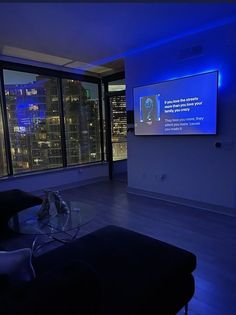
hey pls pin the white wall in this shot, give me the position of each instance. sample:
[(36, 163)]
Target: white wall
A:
[(187, 167), (69, 177)]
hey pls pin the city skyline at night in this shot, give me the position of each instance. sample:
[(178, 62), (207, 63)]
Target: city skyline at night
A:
[(34, 124), (37, 137)]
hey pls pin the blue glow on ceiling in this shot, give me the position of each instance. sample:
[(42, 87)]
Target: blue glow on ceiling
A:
[(158, 43)]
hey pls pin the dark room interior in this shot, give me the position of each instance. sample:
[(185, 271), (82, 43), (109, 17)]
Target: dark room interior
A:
[(117, 158)]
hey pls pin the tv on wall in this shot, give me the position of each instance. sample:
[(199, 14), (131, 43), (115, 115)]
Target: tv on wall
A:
[(184, 106)]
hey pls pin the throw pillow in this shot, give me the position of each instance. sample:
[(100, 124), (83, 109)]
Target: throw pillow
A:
[(16, 266)]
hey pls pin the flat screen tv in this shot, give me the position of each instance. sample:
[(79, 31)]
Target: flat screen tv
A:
[(184, 106)]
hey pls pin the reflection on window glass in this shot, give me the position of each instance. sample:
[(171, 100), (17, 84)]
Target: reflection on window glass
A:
[(34, 121), (119, 151), (118, 85), (119, 127), (82, 122), (3, 164)]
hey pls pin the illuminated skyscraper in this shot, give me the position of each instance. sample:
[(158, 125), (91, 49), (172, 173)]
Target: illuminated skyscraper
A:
[(119, 127), (34, 124), (30, 110), (82, 122)]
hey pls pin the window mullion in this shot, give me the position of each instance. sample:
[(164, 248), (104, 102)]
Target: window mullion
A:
[(62, 123), (5, 126)]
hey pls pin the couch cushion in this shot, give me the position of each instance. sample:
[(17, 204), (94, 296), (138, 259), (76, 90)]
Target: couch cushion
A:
[(134, 270), (119, 246)]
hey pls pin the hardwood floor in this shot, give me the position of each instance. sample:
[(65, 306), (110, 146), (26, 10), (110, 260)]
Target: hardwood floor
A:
[(211, 236)]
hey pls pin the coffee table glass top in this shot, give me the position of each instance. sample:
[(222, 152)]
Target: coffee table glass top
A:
[(27, 221)]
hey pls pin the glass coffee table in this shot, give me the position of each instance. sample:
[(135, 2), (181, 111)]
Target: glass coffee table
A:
[(55, 226)]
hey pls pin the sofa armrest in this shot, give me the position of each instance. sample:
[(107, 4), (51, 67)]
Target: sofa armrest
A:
[(13, 201)]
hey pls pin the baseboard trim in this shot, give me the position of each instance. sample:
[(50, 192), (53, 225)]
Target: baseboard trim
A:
[(182, 201), (74, 184)]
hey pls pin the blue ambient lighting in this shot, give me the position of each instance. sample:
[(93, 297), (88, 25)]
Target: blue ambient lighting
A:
[(189, 74), (165, 41)]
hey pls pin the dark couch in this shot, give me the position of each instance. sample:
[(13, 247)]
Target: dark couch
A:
[(108, 272)]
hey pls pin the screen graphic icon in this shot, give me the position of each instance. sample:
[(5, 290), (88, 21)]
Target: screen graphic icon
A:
[(150, 108)]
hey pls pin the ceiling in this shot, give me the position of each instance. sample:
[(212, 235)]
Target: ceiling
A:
[(95, 37)]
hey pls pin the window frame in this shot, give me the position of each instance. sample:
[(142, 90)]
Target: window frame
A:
[(59, 75), (107, 94)]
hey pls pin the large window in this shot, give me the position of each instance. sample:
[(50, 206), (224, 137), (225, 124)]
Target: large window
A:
[(3, 164), (82, 122), (33, 121), (51, 120)]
